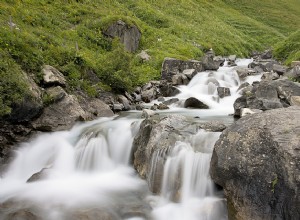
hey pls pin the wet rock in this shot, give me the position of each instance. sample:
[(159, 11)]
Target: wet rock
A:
[(171, 101), (149, 95), (256, 161), (243, 85), (129, 35), (245, 72), (156, 135), (146, 87), (270, 76), (117, 107), (52, 77), (124, 101), (279, 69), (189, 73), (154, 107), (180, 79), (161, 99), (248, 111), (168, 90), (267, 54), (162, 106), (209, 63), (219, 60), (212, 80), (172, 67), (194, 103), (213, 126), (146, 113), (22, 215), (139, 107), (223, 92), (38, 176)]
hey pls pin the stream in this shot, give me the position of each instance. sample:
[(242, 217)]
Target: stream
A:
[(86, 173)]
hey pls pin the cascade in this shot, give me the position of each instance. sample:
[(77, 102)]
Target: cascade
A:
[(86, 173)]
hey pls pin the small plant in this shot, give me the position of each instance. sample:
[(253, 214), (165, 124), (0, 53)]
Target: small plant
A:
[(274, 183)]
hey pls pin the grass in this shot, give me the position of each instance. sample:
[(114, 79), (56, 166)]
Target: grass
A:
[(67, 34)]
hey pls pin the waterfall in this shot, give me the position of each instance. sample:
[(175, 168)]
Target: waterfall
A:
[(86, 173)]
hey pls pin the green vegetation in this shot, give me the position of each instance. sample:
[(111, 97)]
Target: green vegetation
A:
[(274, 183), (67, 34), (289, 49)]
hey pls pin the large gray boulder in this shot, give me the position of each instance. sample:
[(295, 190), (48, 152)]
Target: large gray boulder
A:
[(129, 35), (267, 95), (257, 162), (156, 135), (171, 67), (52, 77)]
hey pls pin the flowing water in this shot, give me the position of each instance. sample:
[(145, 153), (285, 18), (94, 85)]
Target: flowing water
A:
[(86, 173)]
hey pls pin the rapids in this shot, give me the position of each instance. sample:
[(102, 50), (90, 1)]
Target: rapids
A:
[(86, 173)]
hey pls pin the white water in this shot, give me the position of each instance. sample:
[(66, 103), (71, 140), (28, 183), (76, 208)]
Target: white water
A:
[(86, 171)]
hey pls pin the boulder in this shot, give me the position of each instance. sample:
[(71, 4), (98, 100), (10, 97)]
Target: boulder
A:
[(129, 35), (172, 67), (267, 95), (117, 107), (256, 161), (248, 111), (295, 100), (156, 135), (194, 103), (162, 106), (146, 113), (180, 79), (209, 63), (30, 107), (55, 94), (223, 92), (61, 115), (52, 77), (171, 101), (124, 101), (294, 73), (279, 69), (189, 73), (295, 63), (270, 76), (168, 90), (219, 60), (149, 95), (267, 54), (244, 72)]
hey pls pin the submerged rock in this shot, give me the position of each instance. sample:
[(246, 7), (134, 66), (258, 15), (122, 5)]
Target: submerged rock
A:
[(257, 162)]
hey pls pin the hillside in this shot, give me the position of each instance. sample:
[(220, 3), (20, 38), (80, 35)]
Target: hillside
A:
[(67, 34)]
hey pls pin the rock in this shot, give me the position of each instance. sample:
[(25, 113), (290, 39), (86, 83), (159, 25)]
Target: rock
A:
[(267, 95), (137, 97), (294, 73), (248, 111), (124, 101), (267, 54), (129, 35), (194, 103), (146, 87), (223, 92), (146, 113), (149, 95), (189, 73), (172, 67), (38, 176), (256, 161), (117, 107), (161, 99), (180, 79), (279, 69), (22, 215), (243, 86), (154, 107), (213, 126), (209, 63), (168, 90), (270, 76), (30, 107), (212, 80), (245, 72), (139, 107), (232, 58), (171, 101), (162, 106), (52, 77), (158, 135), (138, 90), (55, 94), (61, 115), (144, 55), (295, 100), (219, 60)]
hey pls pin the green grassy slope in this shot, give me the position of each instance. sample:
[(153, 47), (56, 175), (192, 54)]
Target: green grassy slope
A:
[(48, 32)]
